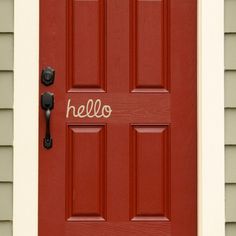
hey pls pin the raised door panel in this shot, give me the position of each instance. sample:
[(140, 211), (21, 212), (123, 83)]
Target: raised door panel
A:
[(149, 39), (86, 172), (86, 45), (149, 170)]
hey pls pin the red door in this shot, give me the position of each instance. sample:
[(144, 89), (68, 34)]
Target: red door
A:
[(123, 158)]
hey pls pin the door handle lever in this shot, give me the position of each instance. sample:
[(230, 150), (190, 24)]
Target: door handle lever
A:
[(47, 103)]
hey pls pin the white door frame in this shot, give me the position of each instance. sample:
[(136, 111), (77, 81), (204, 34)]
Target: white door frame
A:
[(211, 215), (211, 178)]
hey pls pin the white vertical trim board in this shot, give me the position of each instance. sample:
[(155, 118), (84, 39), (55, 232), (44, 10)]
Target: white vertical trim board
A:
[(26, 55), (211, 181), (211, 215)]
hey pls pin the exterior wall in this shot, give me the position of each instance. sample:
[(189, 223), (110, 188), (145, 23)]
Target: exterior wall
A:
[(6, 116), (230, 116)]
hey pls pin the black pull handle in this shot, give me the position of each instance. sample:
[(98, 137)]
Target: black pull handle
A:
[(47, 142), (47, 103)]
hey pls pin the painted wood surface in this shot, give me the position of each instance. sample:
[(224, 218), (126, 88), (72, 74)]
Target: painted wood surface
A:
[(134, 172)]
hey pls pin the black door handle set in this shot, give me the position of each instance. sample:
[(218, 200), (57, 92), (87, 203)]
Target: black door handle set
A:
[(47, 103)]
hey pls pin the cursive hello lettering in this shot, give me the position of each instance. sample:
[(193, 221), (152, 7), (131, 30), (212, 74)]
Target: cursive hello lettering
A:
[(92, 109)]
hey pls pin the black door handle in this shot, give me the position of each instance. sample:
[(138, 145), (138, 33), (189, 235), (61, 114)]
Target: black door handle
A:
[(47, 103)]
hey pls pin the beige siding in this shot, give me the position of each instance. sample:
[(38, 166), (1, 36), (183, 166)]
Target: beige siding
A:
[(230, 89), (6, 127), (230, 126), (230, 51), (6, 89), (6, 115), (230, 116), (230, 164), (5, 228), (6, 51), (230, 16), (230, 229), (230, 197), (6, 164), (6, 201), (6, 15)]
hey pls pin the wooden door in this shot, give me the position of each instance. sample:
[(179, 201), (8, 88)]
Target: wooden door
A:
[(124, 156)]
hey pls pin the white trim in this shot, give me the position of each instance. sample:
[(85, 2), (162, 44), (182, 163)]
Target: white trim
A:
[(26, 48), (211, 214), (211, 192)]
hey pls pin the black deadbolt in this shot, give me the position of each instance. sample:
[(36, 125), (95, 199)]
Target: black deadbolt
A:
[(47, 76)]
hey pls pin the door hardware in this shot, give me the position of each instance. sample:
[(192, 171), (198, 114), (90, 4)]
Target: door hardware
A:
[(47, 103), (48, 76)]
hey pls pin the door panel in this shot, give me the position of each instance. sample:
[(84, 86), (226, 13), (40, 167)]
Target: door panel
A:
[(149, 33), (149, 170), (87, 45), (124, 125), (86, 191)]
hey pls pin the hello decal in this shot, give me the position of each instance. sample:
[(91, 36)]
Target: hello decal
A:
[(92, 109)]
